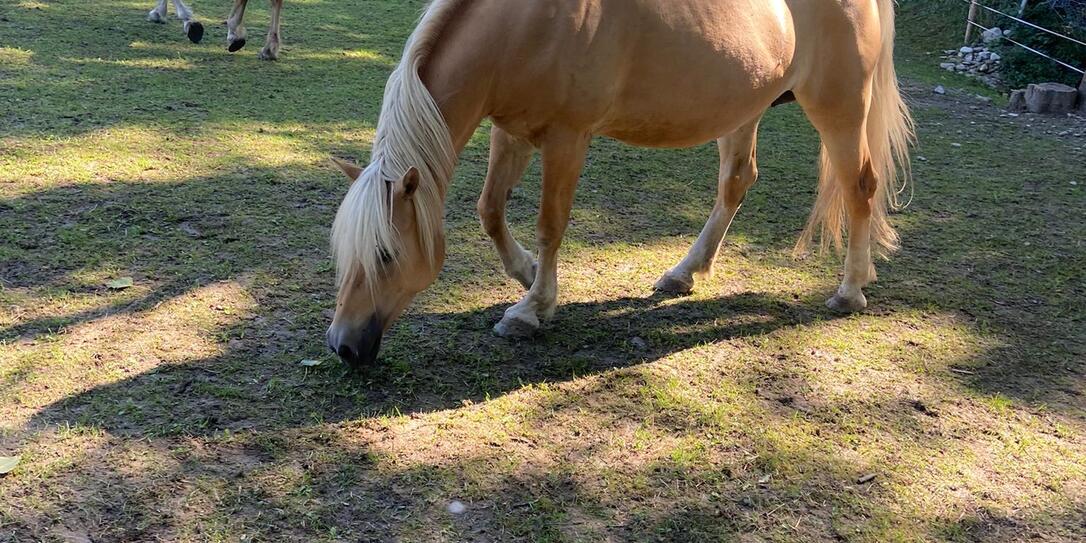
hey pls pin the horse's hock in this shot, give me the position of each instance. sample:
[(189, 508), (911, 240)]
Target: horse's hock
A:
[(1046, 98)]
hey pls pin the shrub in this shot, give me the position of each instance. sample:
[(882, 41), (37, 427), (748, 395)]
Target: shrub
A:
[(1021, 67)]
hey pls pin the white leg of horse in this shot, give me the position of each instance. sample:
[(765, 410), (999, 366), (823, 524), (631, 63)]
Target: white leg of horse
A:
[(158, 15), (852, 170), (563, 158), (271, 44), (193, 29), (509, 157), (235, 30), (738, 171)]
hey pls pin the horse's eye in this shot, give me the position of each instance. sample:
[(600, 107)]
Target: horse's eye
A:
[(386, 256)]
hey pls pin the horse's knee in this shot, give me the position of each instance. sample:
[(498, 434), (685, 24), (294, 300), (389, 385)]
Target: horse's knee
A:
[(490, 217)]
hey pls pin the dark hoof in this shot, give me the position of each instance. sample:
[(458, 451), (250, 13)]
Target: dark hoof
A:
[(670, 285), (513, 328), (842, 305), (235, 45), (195, 32)]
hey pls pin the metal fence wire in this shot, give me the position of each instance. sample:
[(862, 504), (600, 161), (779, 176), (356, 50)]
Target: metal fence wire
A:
[(1073, 11)]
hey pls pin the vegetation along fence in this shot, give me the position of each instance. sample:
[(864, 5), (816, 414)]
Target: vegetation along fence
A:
[(1072, 13)]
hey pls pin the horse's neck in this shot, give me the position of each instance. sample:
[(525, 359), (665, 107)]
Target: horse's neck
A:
[(458, 82)]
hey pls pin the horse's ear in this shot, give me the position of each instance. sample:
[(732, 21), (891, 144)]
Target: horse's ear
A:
[(410, 182), (350, 170)]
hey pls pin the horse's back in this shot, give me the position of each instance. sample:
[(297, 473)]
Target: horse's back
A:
[(650, 72)]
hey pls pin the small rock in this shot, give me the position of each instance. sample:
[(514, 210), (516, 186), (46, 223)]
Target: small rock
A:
[(189, 229), (994, 57), (939, 90), (456, 508), (765, 479), (984, 99), (639, 343), (992, 35), (948, 66), (965, 50), (865, 479), (922, 159), (955, 145), (747, 502)]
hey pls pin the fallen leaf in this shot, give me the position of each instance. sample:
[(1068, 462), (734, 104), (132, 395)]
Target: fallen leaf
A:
[(8, 463), (310, 363), (120, 284)]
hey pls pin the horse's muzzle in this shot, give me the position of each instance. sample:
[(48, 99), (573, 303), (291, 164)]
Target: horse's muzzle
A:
[(357, 347)]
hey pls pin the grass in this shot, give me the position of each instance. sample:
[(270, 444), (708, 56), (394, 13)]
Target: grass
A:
[(177, 410)]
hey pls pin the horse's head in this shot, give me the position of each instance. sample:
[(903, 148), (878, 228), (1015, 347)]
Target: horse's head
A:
[(388, 249)]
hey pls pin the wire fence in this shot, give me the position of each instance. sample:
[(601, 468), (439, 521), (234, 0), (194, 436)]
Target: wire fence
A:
[(1075, 9)]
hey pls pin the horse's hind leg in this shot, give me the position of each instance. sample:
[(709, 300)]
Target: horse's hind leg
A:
[(193, 29), (509, 157), (235, 30), (852, 186), (738, 171), (158, 14), (271, 43)]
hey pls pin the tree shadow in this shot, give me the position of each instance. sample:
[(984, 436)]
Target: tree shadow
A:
[(435, 361)]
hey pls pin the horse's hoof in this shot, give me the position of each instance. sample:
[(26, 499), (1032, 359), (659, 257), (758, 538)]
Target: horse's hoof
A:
[(235, 45), (156, 17), (267, 54), (669, 285), (515, 328), (195, 31), (842, 304)]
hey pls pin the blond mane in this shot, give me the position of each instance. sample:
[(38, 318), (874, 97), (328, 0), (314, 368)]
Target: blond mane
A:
[(411, 132)]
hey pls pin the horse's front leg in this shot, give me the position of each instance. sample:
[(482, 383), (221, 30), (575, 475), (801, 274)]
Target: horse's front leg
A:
[(271, 43), (509, 157), (235, 29), (193, 29), (563, 158)]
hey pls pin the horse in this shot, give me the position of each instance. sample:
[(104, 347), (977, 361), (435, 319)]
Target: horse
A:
[(235, 30), (552, 74)]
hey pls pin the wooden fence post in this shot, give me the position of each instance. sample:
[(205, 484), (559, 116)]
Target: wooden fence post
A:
[(969, 22)]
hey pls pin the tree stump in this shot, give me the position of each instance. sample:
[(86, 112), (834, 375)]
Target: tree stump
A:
[(1051, 98), (1082, 96), (1017, 103)]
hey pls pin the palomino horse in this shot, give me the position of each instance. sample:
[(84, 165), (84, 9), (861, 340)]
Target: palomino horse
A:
[(235, 36), (662, 73)]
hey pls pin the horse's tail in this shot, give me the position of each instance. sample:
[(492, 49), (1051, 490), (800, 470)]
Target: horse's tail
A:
[(890, 131)]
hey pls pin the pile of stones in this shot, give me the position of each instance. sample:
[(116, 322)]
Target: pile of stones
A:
[(978, 62)]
